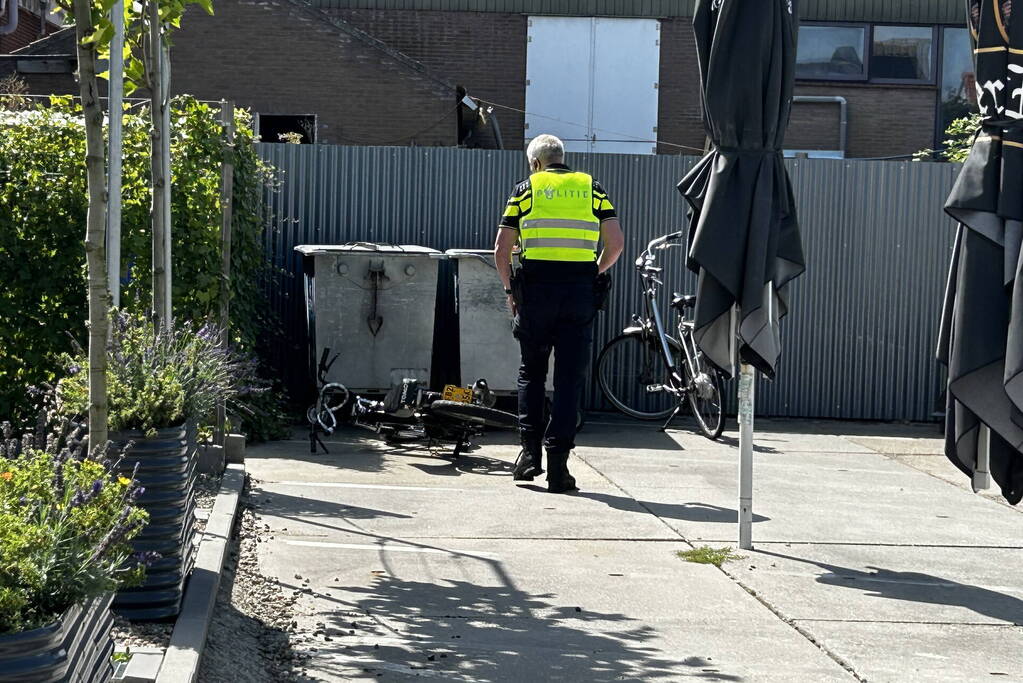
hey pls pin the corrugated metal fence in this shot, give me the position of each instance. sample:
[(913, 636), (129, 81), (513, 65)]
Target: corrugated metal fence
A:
[(860, 337)]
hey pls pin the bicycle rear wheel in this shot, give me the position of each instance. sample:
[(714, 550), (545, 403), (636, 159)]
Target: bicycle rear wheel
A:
[(472, 413), (706, 397), (626, 369)]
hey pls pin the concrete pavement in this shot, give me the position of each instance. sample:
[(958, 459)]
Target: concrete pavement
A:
[(872, 560)]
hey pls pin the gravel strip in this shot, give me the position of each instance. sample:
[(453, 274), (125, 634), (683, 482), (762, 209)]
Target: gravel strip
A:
[(140, 635), (250, 637)]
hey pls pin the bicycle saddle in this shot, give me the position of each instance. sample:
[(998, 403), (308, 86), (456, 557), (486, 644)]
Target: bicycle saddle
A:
[(683, 301)]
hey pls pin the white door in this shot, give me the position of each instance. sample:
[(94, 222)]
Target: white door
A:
[(593, 82)]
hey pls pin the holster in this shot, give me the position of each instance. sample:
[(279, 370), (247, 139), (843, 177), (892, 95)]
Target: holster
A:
[(602, 290)]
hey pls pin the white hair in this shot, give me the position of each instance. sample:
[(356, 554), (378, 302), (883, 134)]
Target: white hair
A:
[(546, 149)]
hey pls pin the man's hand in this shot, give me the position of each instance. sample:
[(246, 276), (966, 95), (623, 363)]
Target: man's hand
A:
[(511, 305)]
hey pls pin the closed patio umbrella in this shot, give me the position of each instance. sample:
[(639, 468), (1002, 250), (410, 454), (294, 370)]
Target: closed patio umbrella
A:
[(744, 241), (744, 236), (981, 338)]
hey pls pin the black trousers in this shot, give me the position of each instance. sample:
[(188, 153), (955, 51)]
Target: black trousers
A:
[(554, 316)]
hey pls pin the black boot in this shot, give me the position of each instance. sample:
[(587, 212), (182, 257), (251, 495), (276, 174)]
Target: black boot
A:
[(529, 464), (558, 478)]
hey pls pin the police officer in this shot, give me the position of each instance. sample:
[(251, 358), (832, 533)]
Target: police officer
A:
[(557, 216)]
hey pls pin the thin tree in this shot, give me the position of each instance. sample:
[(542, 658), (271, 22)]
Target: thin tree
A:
[(95, 224)]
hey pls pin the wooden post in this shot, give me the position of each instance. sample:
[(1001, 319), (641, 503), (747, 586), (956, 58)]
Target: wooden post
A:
[(226, 194)]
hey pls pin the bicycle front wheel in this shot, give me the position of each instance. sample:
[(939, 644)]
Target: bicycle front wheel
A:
[(632, 375)]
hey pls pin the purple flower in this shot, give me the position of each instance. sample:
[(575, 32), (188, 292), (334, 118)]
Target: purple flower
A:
[(147, 558)]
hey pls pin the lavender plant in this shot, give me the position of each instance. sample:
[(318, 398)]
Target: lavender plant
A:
[(157, 377), (66, 524)]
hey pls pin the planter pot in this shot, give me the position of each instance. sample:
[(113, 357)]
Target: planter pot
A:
[(167, 470), (77, 647)]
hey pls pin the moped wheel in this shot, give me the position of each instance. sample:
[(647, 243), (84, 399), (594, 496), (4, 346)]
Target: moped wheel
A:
[(471, 413), (632, 375)]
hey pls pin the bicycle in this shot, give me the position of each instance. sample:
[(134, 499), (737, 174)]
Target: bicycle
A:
[(409, 413), (331, 397), (648, 374)]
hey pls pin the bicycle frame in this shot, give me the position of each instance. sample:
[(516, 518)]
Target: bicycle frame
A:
[(653, 323)]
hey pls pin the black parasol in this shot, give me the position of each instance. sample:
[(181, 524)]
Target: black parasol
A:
[(982, 324), (744, 238)]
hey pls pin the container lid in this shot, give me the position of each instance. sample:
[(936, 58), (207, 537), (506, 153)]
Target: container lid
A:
[(461, 253), (365, 248)]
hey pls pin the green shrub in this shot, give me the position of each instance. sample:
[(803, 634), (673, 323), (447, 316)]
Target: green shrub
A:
[(42, 217), (66, 522)]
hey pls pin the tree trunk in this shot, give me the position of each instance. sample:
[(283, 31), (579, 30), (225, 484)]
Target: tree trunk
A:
[(154, 77), (95, 252)]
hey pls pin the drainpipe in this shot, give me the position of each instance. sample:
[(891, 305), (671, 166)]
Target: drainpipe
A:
[(12, 16), (843, 116)]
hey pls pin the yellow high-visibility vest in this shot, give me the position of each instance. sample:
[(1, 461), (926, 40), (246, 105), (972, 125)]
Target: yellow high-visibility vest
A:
[(560, 226)]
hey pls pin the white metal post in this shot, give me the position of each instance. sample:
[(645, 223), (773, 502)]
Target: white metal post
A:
[(168, 180), (747, 382), (982, 471), (116, 144)]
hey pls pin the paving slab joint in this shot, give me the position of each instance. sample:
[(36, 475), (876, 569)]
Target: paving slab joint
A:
[(796, 627), (181, 662)]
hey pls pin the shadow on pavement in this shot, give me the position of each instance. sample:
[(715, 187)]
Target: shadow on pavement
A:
[(457, 629), (687, 512), (919, 587), (299, 507), (467, 464)]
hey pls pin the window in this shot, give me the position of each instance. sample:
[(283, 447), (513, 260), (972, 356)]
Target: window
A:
[(902, 53), (958, 97), (832, 53), (286, 128)]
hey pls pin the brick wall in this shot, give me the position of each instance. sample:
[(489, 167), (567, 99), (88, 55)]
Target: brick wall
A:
[(679, 116), (485, 52), (279, 57), (27, 31), (814, 125), (884, 120)]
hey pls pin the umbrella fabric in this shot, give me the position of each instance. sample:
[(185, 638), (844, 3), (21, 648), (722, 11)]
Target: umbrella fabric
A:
[(744, 241), (982, 325)]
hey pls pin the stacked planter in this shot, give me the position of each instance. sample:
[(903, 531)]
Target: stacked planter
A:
[(77, 647), (167, 470)]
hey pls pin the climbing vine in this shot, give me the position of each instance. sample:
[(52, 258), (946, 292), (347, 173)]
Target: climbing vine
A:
[(43, 202)]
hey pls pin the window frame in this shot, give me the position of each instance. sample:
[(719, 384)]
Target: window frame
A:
[(867, 43), (935, 55)]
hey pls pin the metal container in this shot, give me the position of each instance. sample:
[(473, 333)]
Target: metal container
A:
[(373, 305), (487, 347), (77, 647), (167, 470)]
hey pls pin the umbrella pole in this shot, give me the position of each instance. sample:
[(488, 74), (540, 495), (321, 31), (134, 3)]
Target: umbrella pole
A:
[(747, 380), (982, 472)]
